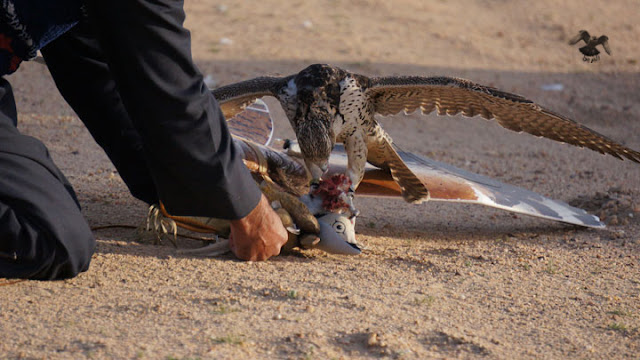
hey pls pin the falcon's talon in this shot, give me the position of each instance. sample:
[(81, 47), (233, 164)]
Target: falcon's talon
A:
[(348, 198), (162, 227)]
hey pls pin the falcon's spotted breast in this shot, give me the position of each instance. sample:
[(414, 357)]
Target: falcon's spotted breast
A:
[(327, 105)]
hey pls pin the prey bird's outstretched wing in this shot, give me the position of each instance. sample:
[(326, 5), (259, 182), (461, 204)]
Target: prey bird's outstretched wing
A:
[(604, 40), (235, 97), (451, 96), (582, 35), (448, 183)]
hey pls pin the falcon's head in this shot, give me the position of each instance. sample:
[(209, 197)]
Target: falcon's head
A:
[(318, 99), (316, 140)]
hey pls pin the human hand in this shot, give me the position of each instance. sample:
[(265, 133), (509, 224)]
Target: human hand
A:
[(259, 235)]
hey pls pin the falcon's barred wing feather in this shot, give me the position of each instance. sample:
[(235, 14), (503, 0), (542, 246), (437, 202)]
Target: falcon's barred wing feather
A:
[(233, 98), (582, 35), (604, 40), (451, 96)]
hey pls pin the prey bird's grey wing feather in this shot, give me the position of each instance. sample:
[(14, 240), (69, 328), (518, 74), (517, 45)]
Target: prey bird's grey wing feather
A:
[(450, 96), (604, 40), (233, 98), (582, 35)]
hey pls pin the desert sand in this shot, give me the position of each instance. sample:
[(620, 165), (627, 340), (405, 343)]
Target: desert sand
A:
[(436, 280)]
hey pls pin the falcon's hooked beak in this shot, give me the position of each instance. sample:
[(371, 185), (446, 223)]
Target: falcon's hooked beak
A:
[(317, 169)]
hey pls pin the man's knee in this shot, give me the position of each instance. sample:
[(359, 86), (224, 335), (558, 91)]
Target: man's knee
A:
[(72, 255), (38, 251), (43, 235)]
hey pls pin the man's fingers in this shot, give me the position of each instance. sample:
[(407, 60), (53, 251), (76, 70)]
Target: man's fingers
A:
[(259, 235)]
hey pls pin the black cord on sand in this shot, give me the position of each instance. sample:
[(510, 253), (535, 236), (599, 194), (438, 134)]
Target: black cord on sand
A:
[(103, 227)]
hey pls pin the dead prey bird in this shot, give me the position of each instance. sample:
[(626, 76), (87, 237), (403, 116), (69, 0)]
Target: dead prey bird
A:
[(327, 105), (589, 51)]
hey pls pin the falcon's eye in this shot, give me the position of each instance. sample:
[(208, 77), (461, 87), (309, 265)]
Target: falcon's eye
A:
[(339, 227)]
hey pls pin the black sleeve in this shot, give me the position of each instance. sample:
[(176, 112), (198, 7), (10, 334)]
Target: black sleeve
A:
[(188, 148), (79, 69)]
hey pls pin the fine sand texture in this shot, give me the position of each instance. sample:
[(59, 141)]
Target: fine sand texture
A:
[(436, 280)]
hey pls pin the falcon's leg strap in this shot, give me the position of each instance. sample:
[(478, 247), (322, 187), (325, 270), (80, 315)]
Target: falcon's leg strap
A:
[(189, 223)]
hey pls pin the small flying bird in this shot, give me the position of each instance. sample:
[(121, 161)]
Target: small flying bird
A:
[(589, 51), (327, 105)]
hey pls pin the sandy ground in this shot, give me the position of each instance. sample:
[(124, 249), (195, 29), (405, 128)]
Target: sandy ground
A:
[(437, 280)]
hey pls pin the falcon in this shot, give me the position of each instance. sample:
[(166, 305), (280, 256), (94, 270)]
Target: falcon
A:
[(327, 105), (589, 51)]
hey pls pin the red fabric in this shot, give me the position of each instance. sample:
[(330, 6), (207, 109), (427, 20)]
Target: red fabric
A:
[(13, 61)]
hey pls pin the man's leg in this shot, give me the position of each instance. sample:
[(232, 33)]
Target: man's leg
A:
[(80, 72), (43, 235), (189, 149)]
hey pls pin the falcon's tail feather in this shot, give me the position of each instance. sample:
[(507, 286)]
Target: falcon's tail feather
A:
[(413, 190)]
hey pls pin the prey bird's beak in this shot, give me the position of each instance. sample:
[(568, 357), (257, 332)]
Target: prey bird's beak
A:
[(337, 235), (333, 243)]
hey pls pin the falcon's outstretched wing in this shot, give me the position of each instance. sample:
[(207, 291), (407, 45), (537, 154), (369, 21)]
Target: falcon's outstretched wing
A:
[(582, 35), (233, 98), (604, 40), (451, 96)]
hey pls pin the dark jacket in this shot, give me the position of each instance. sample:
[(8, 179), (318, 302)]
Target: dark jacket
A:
[(28, 25)]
